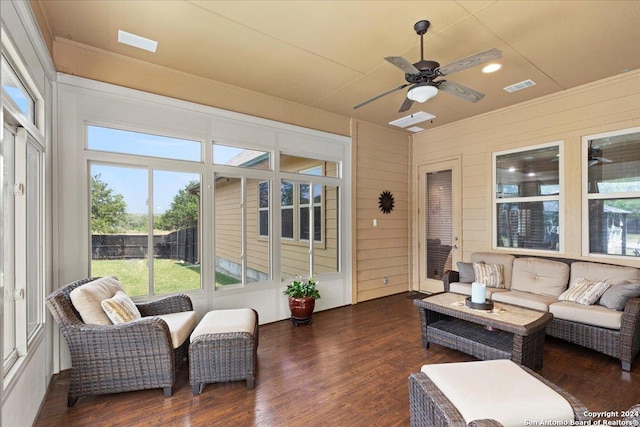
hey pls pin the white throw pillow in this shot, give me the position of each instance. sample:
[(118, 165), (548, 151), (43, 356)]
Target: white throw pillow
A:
[(584, 291), (120, 308)]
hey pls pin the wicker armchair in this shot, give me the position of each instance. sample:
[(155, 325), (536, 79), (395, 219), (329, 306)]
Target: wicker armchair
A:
[(116, 358)]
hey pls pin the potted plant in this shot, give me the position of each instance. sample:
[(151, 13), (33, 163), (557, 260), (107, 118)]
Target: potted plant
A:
[(302, 299)]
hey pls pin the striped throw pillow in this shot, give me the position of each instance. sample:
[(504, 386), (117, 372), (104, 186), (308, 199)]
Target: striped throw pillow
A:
[(584, 291), (491, 275), (120, 308)]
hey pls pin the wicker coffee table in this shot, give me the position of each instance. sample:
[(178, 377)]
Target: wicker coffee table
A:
[(506, 332)]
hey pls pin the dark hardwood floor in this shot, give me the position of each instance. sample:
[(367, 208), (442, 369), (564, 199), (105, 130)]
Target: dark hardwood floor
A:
[(349, 368)]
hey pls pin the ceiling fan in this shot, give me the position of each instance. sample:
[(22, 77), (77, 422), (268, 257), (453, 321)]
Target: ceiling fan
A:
[(594, 155), (421, 75)]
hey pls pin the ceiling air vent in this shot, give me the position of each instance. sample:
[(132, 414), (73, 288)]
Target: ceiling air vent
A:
[(412, 119), (519, 86)]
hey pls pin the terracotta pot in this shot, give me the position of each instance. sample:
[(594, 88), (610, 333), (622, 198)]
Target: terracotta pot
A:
[(301, 308)]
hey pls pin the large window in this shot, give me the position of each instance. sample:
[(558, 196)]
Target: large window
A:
[(22, 218), (145, 219), (527, 198), (611, 167)]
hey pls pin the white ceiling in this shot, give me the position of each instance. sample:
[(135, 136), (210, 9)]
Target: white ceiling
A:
[(329, 54)]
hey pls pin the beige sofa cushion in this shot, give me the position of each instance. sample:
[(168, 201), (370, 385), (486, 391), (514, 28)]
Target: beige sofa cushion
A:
[(540, 276), (612, 274), (499, 390), (180, 325), (594, 315), (525, 299), (465, 289), (221, 321), (87, 298), (494, 258)]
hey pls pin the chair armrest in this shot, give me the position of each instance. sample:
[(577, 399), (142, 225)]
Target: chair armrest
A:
[(448, 277), (428, 406), (167, 305), (484, 423), (147, 336)]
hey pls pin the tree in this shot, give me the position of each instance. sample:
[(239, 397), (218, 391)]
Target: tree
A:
[(183, 212), (107, 209)]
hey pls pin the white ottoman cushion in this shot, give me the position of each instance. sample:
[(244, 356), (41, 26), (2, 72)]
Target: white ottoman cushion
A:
[(221, 321), (499, 390), (180, 325)]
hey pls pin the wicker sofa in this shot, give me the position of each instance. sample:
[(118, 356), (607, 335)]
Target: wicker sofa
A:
[(536, 282), (141, 354)]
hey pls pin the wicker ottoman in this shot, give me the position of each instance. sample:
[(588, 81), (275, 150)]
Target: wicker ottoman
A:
[(487, 393), (224, 348)]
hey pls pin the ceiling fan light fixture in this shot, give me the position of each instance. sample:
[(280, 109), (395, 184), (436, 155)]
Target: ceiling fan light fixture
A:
[(422, 92), (491, 68)]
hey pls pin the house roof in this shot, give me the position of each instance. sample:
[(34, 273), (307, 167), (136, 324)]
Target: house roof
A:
[(330, 55)]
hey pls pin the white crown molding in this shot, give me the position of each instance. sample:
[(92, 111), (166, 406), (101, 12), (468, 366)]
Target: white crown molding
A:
[(30, 25)]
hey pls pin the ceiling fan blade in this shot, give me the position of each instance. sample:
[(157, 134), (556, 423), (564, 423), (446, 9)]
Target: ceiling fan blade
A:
[(405, 105), (403, 64), (460, 91), (381, 95), (470, 61)]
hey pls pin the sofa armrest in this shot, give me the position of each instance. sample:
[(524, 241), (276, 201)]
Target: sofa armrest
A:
[(448, 277), (630, 332), (167, 305)]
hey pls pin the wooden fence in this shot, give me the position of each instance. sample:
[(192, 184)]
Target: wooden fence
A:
[(179, 245)]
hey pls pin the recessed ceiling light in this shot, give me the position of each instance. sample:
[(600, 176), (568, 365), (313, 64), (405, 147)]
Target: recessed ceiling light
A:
[(412, 119), (137, 41), (531, 174), (512, 169), (491, 68)]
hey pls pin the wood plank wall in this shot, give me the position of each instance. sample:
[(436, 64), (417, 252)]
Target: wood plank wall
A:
[(603, 106), (380, 162)]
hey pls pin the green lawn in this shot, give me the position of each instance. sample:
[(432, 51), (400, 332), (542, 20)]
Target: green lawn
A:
[(170, 276)]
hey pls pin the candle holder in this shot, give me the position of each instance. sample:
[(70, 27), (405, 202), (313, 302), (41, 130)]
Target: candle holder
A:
[(487, 305)]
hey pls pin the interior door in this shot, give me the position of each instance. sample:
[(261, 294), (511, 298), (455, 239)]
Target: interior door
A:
[(439, 222)]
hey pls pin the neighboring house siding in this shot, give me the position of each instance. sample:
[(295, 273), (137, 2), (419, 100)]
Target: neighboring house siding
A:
[(295, 253)]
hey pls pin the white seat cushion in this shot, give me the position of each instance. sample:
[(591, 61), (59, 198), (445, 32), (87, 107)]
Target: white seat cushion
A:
[(180, 325), (525, 299), (499, 390), (87, 299), (594, 315), (222, 321)]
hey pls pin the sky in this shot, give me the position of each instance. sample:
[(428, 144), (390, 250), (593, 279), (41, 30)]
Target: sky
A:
[(133, 182)]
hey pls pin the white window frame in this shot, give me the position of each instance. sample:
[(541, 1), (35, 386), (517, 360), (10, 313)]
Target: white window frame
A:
[(586, 197), (28, 130), (559, 198)]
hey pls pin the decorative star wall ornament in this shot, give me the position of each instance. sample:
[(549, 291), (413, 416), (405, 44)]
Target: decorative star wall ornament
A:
[(385, 201)]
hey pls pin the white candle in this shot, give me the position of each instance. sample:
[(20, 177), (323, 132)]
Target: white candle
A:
[(478, 292)]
